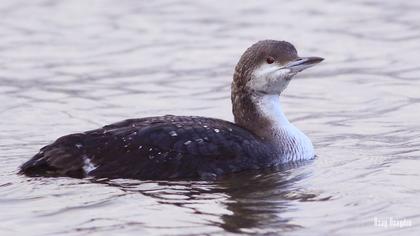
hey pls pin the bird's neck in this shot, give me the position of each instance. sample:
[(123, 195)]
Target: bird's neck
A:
[(263, 115), (260, 113)]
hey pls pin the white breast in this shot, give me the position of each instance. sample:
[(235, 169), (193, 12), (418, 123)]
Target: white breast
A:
[(292, 142)]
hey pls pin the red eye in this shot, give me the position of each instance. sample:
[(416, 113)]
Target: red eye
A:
[(270, 60)]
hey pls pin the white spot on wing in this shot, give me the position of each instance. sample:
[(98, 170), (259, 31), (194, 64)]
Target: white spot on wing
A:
[(88, 165)]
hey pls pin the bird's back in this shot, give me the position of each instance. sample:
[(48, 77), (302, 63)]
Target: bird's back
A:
[(165, 147)]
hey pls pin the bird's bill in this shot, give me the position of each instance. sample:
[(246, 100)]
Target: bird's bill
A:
[(303, 63)]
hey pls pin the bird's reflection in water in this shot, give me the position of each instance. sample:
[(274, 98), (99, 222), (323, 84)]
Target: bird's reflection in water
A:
[(248, 202)]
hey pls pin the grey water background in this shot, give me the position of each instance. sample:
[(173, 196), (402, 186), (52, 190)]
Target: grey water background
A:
[(70, 66)]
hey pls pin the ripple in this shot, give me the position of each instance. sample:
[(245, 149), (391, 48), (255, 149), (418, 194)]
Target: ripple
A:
[(69, 66)]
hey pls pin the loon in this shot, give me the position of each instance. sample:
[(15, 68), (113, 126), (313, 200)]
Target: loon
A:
[(192, 147)]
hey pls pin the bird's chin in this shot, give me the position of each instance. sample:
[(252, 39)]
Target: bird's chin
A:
[(285, 79)]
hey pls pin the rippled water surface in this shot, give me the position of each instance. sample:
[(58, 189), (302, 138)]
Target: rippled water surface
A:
[(70, 66)]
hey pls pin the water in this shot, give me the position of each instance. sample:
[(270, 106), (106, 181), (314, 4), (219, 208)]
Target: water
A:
[(70, 66)]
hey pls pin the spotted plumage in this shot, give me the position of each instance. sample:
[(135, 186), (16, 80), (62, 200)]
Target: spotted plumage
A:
[(189, 147), (163, 147)]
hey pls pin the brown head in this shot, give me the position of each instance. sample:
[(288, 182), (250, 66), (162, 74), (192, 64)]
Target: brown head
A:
[(265, 69), (268, 65)]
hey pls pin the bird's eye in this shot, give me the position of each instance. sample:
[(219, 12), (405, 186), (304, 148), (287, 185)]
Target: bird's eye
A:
[(270, 60)]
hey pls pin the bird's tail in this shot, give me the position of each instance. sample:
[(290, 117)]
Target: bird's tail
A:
[(62, 158)]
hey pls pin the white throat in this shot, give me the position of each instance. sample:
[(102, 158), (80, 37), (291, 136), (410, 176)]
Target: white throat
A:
[(270, 107), (293, 144)]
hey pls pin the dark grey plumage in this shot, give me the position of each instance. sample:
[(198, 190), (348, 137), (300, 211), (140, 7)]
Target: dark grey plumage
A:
[(174, 147), (165, 147)]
